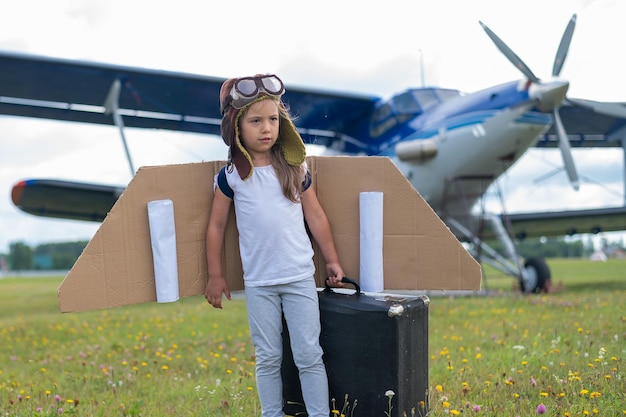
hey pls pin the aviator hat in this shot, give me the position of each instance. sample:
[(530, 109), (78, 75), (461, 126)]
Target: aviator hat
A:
[(289, 139)]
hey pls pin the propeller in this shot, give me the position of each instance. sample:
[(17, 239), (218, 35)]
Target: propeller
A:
[(549, 95)]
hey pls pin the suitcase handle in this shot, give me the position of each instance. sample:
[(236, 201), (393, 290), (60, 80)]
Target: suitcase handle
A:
[(345, 280)]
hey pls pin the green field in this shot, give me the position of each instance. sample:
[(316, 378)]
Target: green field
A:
[(503, 354)]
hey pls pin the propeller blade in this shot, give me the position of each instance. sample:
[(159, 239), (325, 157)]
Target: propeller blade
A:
[(512, 57), (561, 53), (566, 151)]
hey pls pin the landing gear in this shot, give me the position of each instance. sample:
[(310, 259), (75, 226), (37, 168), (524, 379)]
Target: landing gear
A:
[(533, 275), (536, 276)]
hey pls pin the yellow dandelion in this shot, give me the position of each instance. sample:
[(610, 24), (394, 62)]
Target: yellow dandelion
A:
[(439, 388), (455, 412)]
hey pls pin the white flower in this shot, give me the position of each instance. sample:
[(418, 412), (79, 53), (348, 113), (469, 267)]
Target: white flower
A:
[(390, 393)]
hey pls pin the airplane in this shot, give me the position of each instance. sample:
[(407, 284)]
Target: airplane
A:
[(451, 146)]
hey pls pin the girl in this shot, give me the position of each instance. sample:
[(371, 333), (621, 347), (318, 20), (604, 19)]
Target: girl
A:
[(268, 181)]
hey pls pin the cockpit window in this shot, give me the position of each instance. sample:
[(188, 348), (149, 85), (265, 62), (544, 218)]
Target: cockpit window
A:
[(405, 103), (425, 98), (382, 112), (445, 95)]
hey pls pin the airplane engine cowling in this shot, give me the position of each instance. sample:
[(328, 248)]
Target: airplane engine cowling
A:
[(416, 149)]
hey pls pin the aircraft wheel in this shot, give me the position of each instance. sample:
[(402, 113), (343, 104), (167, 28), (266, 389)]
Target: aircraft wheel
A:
[(536, 276)]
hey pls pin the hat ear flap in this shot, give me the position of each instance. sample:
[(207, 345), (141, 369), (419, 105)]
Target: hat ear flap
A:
[(228, 128), (291, 142)]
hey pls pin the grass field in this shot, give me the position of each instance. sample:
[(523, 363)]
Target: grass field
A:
[(504, 354)]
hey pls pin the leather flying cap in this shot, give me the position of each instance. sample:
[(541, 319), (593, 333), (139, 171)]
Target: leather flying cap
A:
[(289, 139)]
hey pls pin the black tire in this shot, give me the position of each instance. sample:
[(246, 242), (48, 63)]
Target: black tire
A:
[(539, 273)]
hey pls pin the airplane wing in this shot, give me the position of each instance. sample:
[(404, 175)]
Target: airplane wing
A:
[(72, 90), (561, 223), (589, 124), (61, 89)]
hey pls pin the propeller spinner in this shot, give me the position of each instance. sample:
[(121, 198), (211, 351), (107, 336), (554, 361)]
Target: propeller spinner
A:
[(549, 95)]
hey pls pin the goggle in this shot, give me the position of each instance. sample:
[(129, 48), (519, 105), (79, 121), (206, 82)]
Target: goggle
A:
[(248, 89)]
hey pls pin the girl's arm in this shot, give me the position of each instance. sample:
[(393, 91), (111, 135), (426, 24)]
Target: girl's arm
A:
[(320, 228), (216, 283)]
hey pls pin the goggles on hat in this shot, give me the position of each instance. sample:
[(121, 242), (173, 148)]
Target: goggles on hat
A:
[(248, 89)]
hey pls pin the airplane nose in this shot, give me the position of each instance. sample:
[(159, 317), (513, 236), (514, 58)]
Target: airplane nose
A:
[(548, 95)]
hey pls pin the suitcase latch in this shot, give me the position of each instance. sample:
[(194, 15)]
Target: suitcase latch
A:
[(395, 310)]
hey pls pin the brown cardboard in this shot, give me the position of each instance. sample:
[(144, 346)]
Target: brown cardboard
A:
[(116, 267)]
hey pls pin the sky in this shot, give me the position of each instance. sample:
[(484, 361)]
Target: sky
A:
[(353, 46)]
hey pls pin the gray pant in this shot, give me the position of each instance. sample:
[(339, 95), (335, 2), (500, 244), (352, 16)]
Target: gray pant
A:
[(300, 303)]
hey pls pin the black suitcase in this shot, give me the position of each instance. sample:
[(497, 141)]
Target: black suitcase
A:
[(373, 347)]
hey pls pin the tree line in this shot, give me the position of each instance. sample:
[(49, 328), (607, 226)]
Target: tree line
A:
[(48, 256)]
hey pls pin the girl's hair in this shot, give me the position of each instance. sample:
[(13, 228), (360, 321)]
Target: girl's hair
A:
[(291, 177)]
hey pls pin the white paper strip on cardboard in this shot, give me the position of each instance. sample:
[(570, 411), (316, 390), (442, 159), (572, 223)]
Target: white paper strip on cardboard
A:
[(371, 240), (163, 240)]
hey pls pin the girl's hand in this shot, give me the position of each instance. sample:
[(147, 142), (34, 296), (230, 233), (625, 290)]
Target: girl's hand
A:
[(215, 287), (335, 275)]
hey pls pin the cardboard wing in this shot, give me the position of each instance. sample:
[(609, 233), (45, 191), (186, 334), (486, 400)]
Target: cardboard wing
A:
[(116, 268)]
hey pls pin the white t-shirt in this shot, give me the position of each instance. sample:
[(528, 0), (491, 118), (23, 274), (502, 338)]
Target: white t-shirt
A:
[(274, 245)]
